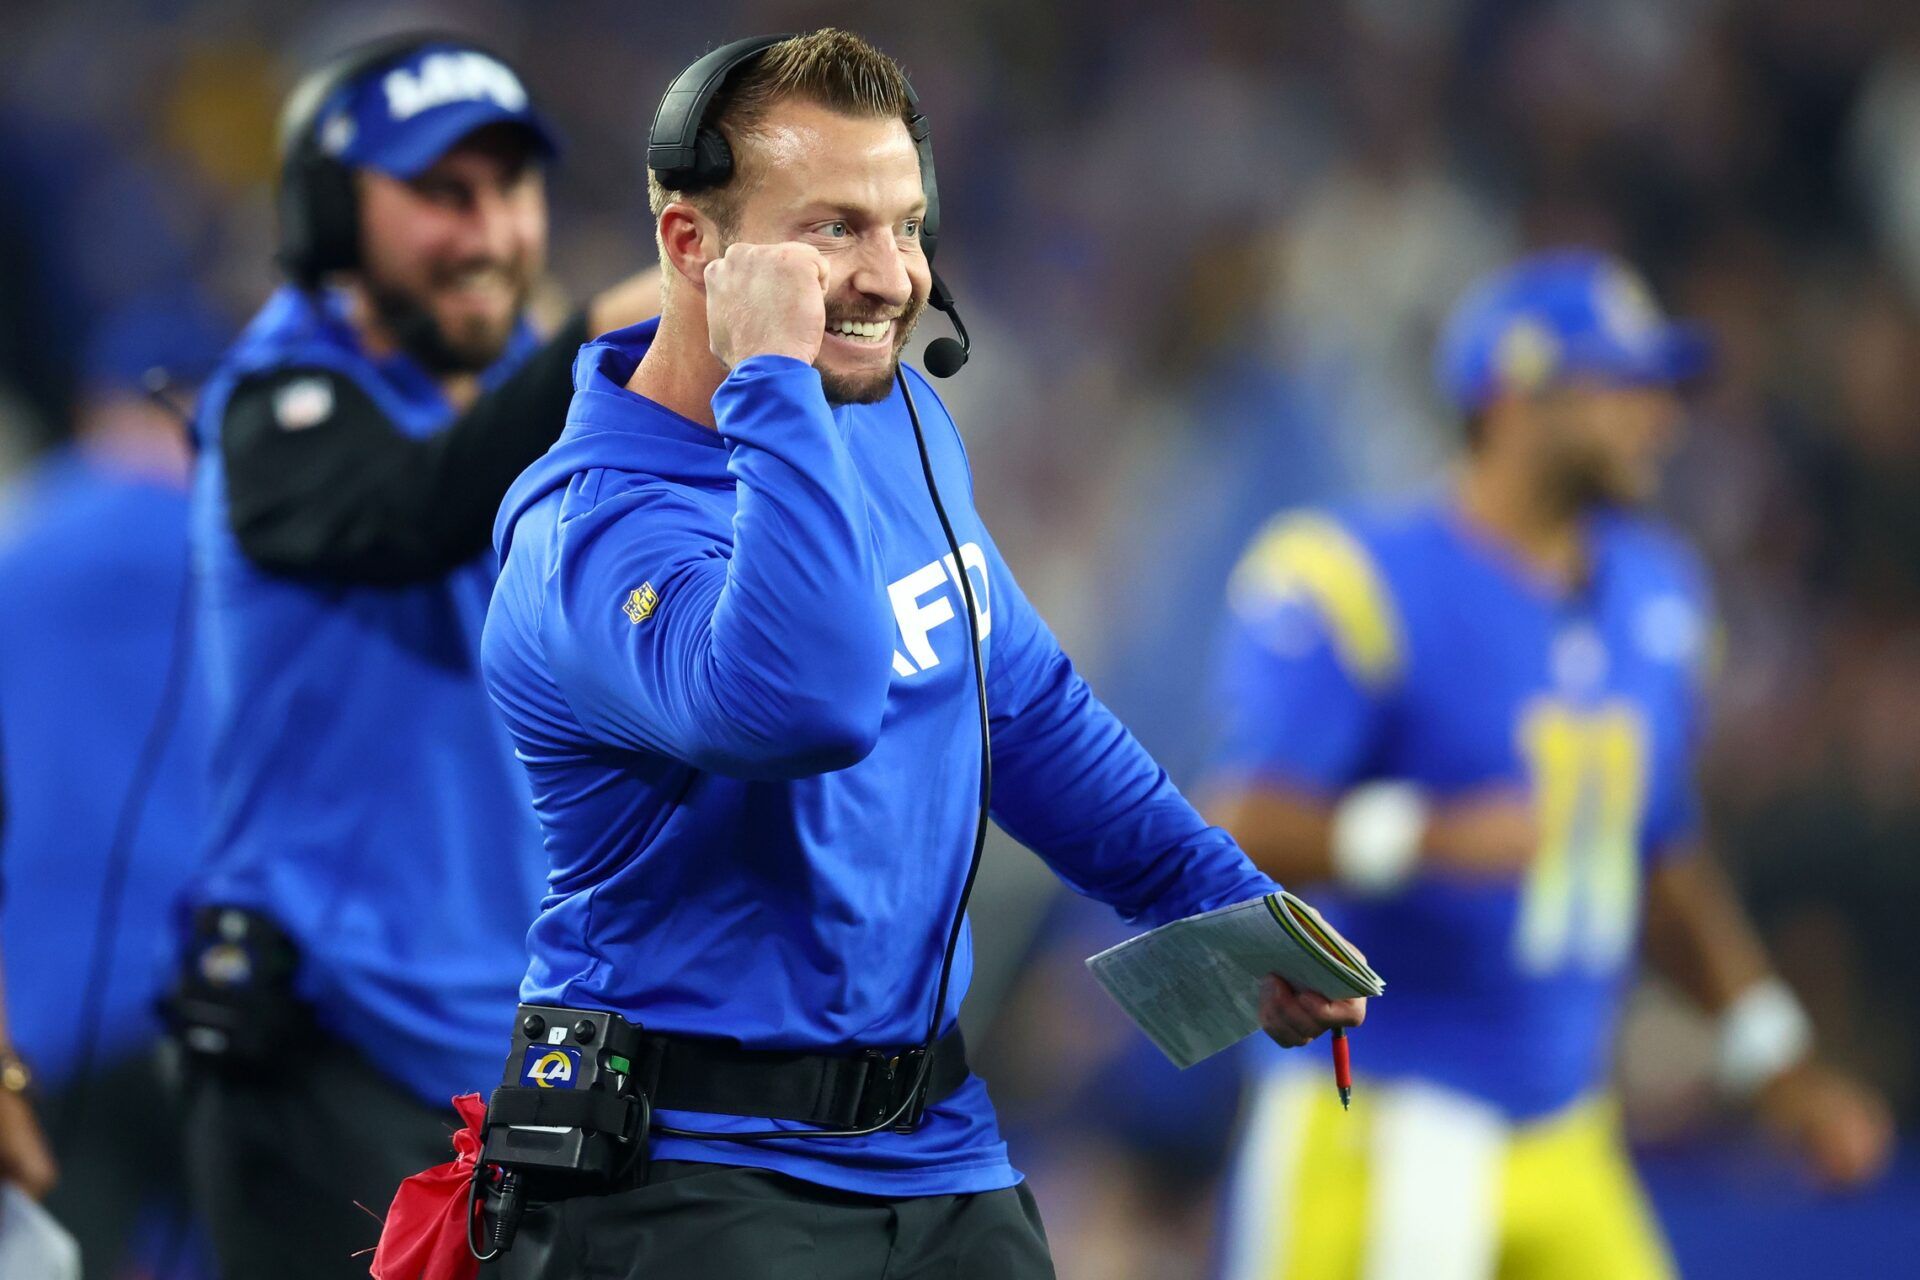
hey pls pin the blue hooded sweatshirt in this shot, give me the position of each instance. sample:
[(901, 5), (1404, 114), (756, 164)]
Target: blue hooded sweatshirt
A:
[(734, 665)]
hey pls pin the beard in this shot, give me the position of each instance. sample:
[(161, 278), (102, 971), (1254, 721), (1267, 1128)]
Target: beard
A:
[(1582, 488), (868, 388), (1591, 483), (471, 348)]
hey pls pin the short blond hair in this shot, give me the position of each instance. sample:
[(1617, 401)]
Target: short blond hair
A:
[(829, 67)]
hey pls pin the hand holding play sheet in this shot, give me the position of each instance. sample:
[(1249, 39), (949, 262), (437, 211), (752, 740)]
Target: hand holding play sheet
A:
[(1196, 986)]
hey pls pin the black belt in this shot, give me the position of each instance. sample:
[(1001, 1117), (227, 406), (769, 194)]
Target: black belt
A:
[(681, 1073)]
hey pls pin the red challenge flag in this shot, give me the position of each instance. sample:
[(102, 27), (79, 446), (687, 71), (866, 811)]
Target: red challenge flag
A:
[(425, 1235)]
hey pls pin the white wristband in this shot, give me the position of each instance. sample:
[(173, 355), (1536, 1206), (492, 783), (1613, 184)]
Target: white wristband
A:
[(1376, 836), (1762, 1033)]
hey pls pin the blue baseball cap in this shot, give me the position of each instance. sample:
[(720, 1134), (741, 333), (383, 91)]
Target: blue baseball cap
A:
[(406, 115), (1561, 316)]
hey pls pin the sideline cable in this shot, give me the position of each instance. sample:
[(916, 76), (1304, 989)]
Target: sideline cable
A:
[(146, 772)]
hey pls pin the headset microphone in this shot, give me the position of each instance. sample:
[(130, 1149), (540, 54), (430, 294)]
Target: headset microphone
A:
[(944, 356)]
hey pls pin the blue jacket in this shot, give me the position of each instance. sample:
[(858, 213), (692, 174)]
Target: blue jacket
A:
[(364, 793), (90, 586), (735, 668)]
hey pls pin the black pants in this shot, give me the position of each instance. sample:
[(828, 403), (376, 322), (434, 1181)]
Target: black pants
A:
[(723, 1222), (117, 1138), (277, 1161)]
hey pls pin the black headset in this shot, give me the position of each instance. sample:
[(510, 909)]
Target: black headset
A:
[(687, 153), (318, 212)]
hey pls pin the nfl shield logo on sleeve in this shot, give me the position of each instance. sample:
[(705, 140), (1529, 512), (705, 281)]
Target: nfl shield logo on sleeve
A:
[(304, 403), (641, 604)]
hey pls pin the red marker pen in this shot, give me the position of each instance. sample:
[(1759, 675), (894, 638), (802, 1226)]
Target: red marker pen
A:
[(1342, 1067)]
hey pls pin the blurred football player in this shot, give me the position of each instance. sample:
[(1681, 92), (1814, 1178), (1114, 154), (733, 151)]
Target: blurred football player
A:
[(1474, 717)]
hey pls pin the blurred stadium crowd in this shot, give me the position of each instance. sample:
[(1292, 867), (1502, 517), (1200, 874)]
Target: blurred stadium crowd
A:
[(1204, 249)]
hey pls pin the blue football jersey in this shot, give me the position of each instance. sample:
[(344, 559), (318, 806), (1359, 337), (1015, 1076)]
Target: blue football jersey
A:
[(1404, 643)]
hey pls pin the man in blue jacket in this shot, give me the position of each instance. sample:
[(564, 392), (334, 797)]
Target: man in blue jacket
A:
[(729, 644), (101, 780), (372, 862)]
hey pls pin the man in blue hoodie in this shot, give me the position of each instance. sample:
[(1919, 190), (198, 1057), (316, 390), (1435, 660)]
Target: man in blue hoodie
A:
[(728, 641), (358, 923)]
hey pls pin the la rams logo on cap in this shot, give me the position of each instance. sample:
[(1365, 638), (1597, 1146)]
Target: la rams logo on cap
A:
[(336, 135), (1527, 355), (550, 1067)]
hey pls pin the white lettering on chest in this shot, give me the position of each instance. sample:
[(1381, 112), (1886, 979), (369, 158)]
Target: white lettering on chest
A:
[(918, 615)]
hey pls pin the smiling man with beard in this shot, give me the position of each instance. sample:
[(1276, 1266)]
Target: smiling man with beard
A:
[(731, 641), (355, 935)]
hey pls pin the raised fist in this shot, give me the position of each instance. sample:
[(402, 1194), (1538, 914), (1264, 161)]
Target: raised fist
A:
[(766, 300)]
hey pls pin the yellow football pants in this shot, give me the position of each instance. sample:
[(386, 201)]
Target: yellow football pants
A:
[(1420, 1183)]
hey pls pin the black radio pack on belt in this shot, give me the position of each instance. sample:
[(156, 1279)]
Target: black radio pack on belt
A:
[(576, 1109), (566, 1111), (566, 1118), (233, 1004)]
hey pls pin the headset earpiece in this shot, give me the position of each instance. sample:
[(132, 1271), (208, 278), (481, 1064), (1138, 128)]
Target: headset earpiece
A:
[(682, 153), (319, 217), (713, 163)]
